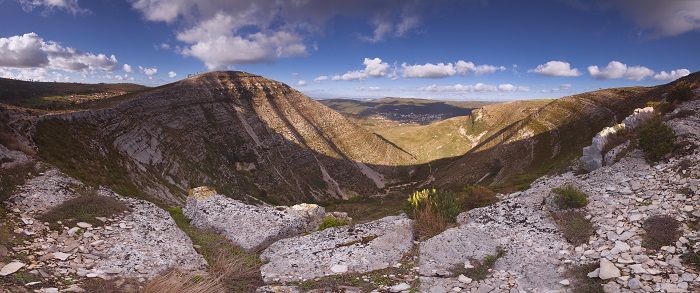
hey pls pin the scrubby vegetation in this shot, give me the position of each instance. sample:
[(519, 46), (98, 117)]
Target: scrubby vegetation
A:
[(574, 225), (569, 197), (12, 177), (476, 196), (330, 222), (480, 269), (581, 283), (656, 140), (432, 211), (85, 208), (660, 230), (692, 258), (235, 269), (681, 93)]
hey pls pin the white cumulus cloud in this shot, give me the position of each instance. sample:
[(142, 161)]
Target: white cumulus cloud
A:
[(301, 82), (32, 51), (172, 74), (556, 68), (673, 75), (374, 67), (479, 87), (149, 71), (321, 78), (126, 68), (428, 70), (617, 69), (465, 68)]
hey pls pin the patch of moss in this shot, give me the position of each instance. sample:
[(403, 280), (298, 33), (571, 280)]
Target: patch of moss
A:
[(330, 222)]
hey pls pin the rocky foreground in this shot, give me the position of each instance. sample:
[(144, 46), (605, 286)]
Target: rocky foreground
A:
[(518, 235)]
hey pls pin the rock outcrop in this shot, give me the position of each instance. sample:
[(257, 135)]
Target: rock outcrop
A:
[(347, 249), (248, 226), (593, 155), (140, 243)]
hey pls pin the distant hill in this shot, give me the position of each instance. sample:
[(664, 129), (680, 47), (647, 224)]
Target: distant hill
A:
[(61, 95), (403, 110)]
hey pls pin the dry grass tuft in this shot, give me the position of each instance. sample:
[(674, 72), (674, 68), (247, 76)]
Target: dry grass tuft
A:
[(476, 196), (428, 222), (660, 231), (176, 281), (574, 225), (569, 197)]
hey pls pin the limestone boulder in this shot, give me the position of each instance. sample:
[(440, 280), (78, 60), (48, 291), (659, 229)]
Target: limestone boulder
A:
[(348, 249), (251, 227)]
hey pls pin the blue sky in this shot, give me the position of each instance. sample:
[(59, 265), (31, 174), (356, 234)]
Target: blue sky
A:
[(469, 50)]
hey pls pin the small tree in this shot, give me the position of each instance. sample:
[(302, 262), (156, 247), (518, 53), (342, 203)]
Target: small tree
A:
[(656, 140)]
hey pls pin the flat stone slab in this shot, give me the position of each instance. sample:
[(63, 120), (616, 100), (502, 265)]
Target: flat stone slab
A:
[(350, 249), (248, 226), (517, 224)]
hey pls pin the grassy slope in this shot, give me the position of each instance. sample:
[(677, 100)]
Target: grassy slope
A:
[(56, 95), (549, 140), (455, 136)]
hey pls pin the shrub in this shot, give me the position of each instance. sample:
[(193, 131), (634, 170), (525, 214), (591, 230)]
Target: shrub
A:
[(330, 222), (85, 208), (569, 197), (581, 283), (662, 106), (660, 231), (691, 258), (481, 268), (681, 93), (428, 222), (575, 227), (442, 202), (432, 211), (476, 196), (656, 140)]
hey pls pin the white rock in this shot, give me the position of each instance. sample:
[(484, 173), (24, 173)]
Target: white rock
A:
[(84, 225), (11, 268), (400, 287), (464, 279), (61, 256), (565, 282), (339, 269), (608, 270)]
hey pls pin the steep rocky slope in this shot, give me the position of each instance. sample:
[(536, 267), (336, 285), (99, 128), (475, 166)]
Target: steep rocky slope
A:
[(549, 139), (243, 134)]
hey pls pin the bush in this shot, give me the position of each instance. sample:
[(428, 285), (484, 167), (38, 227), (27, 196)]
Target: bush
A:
[(569, 197), (432, 211), (691, 258), (656, 140), (330, 222), (575, 227), (681, 93), (85, 208), (660, 231), (662, 106), (581, 283), (442, 202), (476, 196)]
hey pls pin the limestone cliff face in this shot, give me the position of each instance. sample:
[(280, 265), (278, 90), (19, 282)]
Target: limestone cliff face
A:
[(244, 134)]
